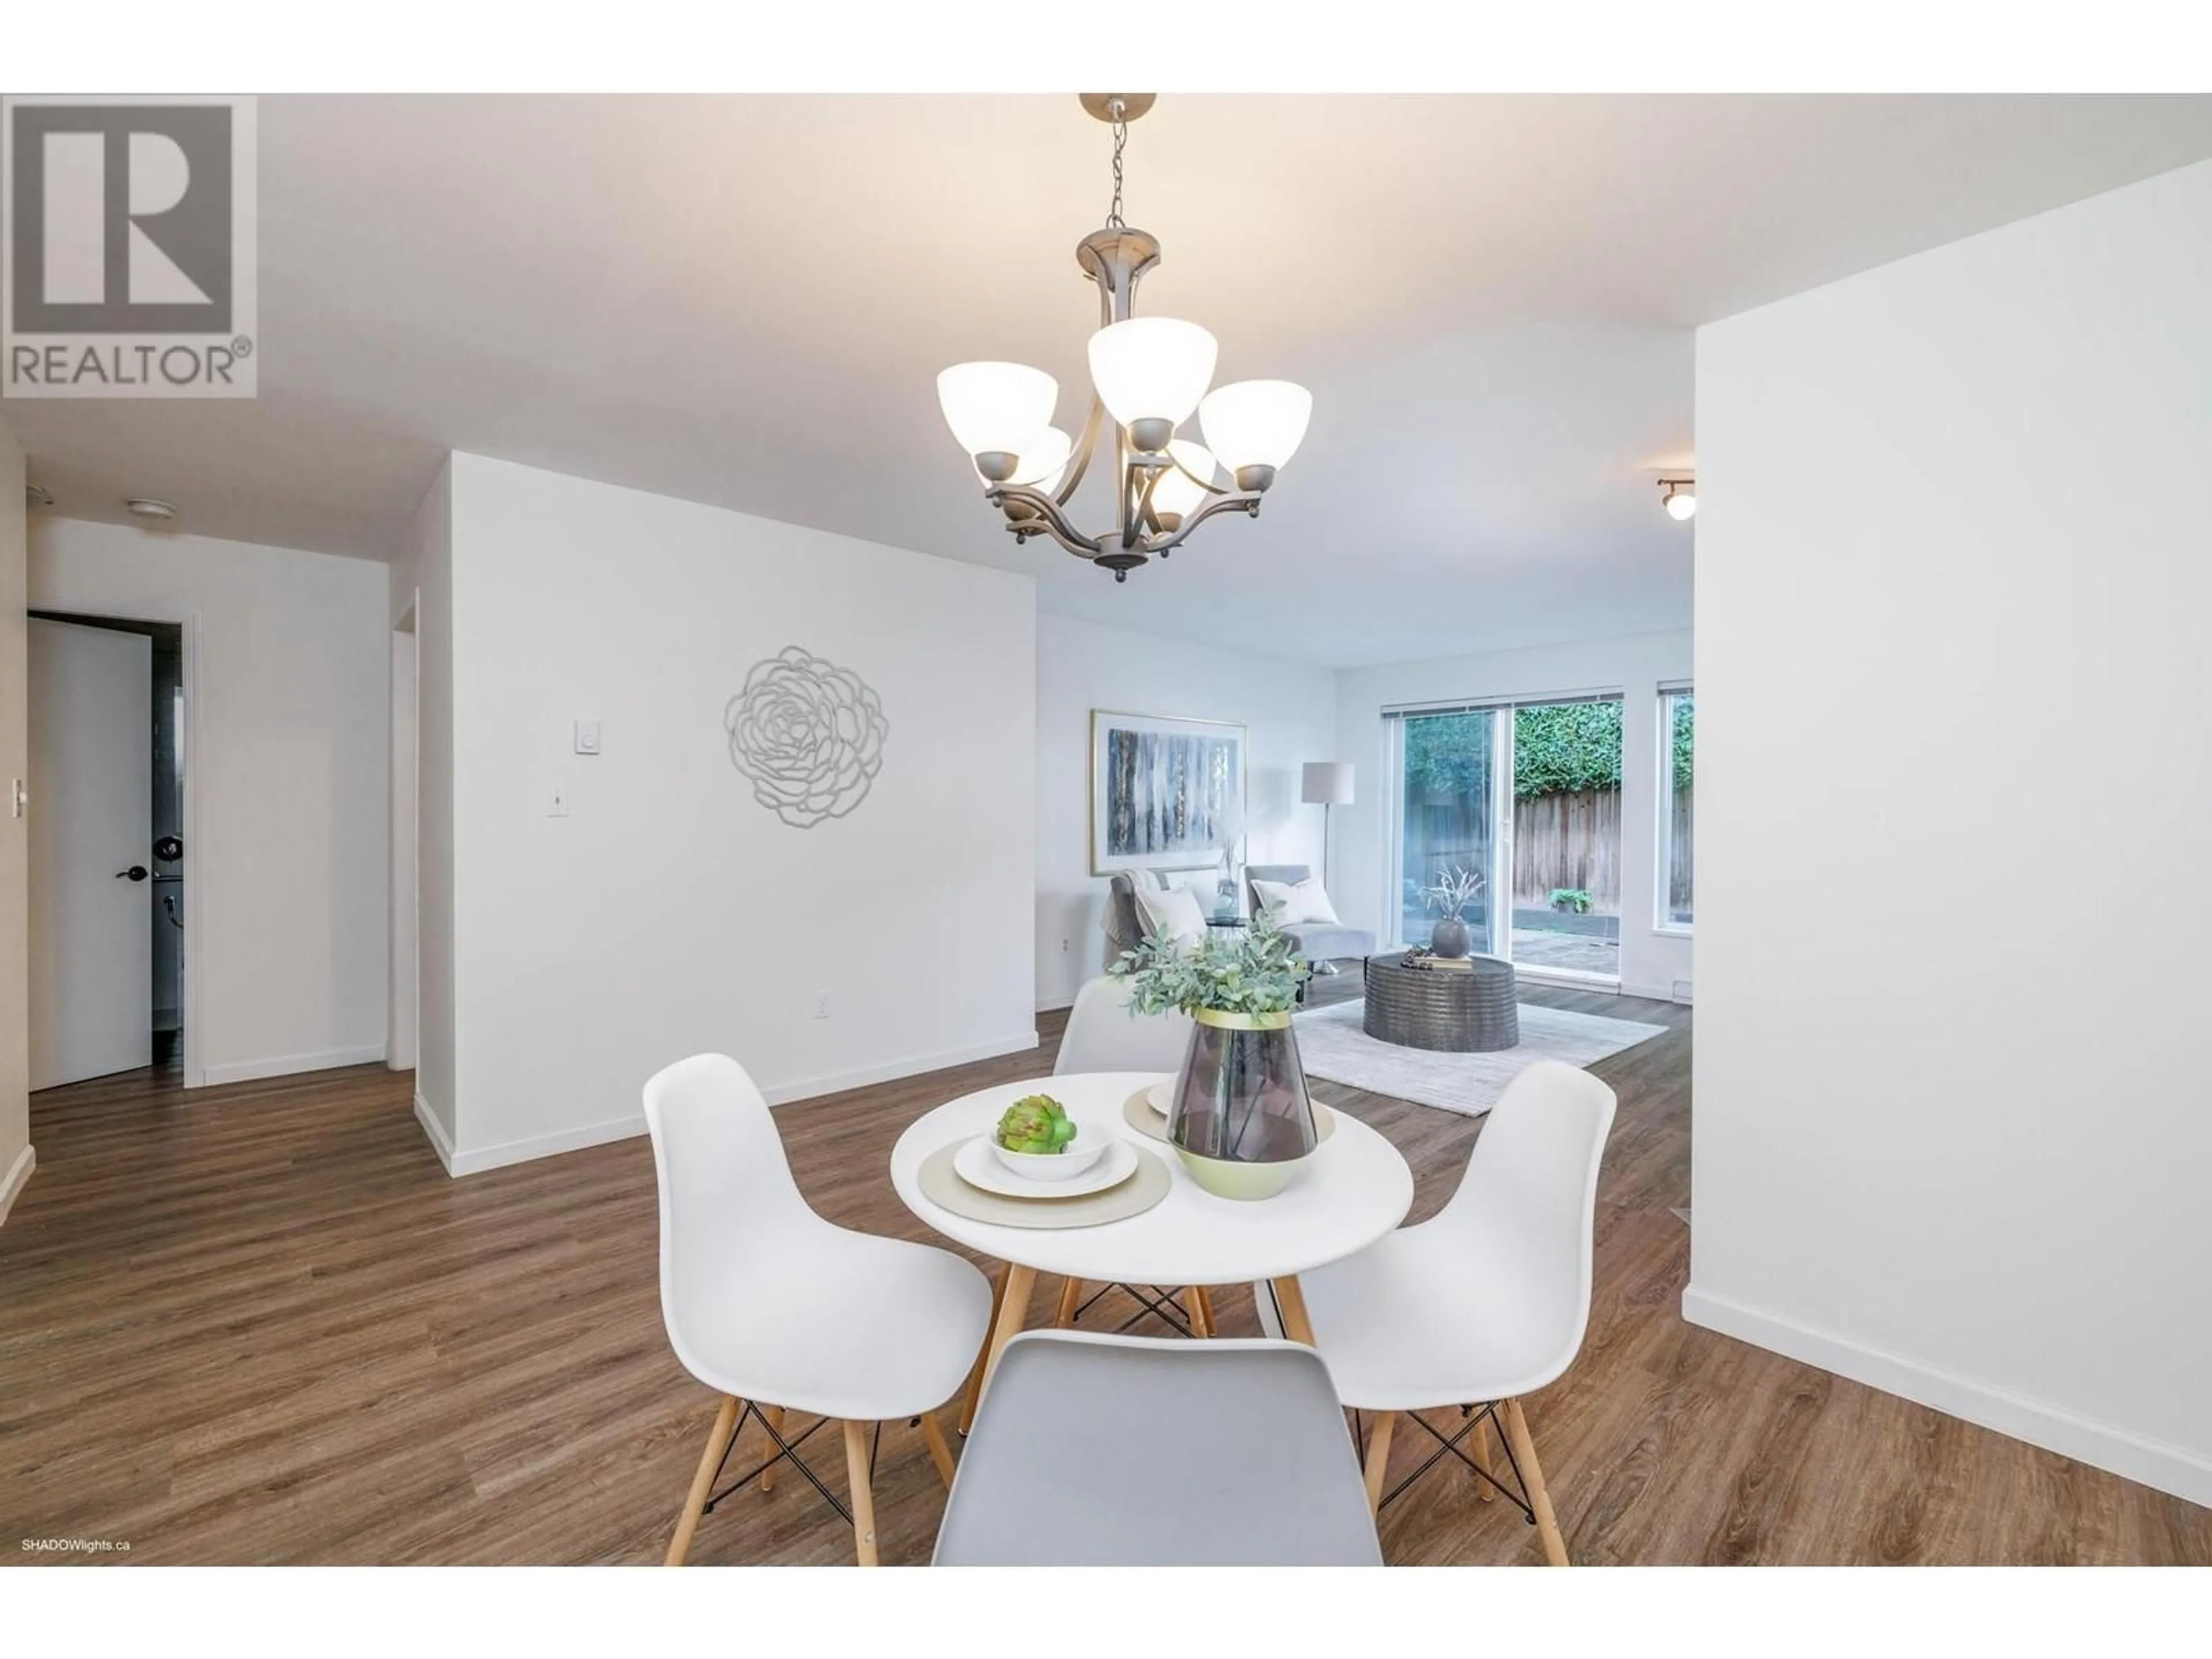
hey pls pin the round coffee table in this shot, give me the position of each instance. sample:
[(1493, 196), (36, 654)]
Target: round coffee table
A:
[(1470, 1010)]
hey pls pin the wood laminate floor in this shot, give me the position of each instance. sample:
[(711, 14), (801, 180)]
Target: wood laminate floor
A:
[(259, 1323)]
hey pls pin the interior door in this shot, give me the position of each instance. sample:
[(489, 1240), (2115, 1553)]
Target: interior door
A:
[(91, 812)]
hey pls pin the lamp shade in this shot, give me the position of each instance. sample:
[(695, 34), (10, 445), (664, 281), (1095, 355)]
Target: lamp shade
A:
[(996, 407), (1176, 494), (1151, 368), (1327, 783), (1255, 423), (1043, 459)]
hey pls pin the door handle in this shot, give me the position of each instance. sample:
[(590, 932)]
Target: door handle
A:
[(136, 872)]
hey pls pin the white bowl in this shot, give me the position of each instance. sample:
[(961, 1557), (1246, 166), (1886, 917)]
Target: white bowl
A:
[(1071, 1160)]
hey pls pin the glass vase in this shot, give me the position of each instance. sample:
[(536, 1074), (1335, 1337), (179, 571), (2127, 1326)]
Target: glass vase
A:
[(1242, 1120)]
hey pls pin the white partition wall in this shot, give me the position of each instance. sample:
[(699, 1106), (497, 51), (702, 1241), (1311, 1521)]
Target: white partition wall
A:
[(1954, 576), (619, 895)]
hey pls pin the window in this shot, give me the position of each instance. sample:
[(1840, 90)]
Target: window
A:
[(1566, 836), (1678, 717), (1447, 773), (1526, 796)]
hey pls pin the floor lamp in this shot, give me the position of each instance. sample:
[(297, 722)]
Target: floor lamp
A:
[(1325, 784)]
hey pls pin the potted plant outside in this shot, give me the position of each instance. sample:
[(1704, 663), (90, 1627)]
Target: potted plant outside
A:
[(1240, 1119)]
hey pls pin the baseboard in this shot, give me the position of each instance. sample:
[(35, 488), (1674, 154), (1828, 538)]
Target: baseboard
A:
[(246, 1071), (18, 1177), (2169, 1469), (1657, 991), (477, 1159), (1053, 1004), (435, 1131), (837, 1083), (1566, 981)]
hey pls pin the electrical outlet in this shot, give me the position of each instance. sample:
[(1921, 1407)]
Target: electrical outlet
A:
[(1063, 947), (822, 1005)]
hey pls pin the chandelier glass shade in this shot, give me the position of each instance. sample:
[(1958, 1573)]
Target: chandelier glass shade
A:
[(1149, 375)]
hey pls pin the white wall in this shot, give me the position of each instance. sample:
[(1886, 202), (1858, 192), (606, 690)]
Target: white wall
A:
[(1290, 709), (669, 912), (399, 1045), (287, 764), (422, 583), (15, 1154), (1955, 574), (1652, 963)]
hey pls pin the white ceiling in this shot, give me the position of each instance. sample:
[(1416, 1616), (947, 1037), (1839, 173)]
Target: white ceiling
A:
[(745, 301)]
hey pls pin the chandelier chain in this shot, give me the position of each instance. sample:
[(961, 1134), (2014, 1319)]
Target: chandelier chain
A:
[(1114, 220)]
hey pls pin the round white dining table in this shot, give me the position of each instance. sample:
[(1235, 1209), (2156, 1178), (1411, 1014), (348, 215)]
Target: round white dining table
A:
[(1355, 1189)]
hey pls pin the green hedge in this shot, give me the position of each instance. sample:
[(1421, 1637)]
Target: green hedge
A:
[(1564, 748), (1557, 749)]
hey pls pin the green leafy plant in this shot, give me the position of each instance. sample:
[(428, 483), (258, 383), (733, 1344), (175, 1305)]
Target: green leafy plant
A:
[(1253, 971), (1558, 748), (1036, 1123), (1566, 748), (1576, 899), (1453, 890)]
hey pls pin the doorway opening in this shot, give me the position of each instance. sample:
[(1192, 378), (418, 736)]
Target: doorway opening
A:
[(108, 720)]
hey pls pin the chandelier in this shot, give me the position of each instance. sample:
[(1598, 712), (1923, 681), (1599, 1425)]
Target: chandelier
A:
[(1148, 375)]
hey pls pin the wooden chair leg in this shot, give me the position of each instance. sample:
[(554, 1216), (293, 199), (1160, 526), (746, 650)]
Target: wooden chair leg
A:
[(1478, 1450), (1071, 1292), (1013, 1311), (940, 1453), (774, 1416), (1524, 1453), (1202, 1310), (703, 1483), (982, 1354), (1291, 1301), (1378, 1457), (864, 1497)]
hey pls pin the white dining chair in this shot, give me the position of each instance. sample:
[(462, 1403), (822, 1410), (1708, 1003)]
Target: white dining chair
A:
[(777, 1310), (1485, 1301), (1098, 1451), (1103, 1034)]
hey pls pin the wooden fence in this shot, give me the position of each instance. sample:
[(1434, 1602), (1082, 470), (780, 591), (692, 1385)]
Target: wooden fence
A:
[(1570, 840)]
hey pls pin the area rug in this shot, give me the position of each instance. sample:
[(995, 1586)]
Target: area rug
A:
[(1331, 1045)]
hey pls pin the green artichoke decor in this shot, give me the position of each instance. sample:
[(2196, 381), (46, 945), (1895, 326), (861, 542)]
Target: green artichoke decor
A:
[(1036, 1123)]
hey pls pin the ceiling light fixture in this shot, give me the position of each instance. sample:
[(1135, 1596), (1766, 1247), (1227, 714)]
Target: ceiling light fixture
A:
[(1149, 375), (141, 506), (1679, 497)]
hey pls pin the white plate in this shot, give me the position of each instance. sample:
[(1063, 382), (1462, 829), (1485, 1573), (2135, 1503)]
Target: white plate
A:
[(975, 1165), (1161, 1096)]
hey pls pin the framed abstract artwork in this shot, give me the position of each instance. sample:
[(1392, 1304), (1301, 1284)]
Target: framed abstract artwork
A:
[(1165, 793)]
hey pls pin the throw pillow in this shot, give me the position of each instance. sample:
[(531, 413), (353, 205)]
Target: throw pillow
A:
[(1291, 904), (1174, 912)]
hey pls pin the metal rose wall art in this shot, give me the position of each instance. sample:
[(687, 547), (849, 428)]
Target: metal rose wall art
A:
[(809, 734)]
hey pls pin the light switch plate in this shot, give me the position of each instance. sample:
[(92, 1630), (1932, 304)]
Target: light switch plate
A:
[(588, 737), (556, 804)]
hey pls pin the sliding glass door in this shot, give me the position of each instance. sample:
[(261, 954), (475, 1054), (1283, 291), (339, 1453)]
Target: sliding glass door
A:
[(1527, 797), (1449, 778), (1566, 836)]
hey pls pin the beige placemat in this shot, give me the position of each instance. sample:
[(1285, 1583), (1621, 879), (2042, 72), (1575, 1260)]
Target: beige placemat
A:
[(941, 1184), (1137, 1112)]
